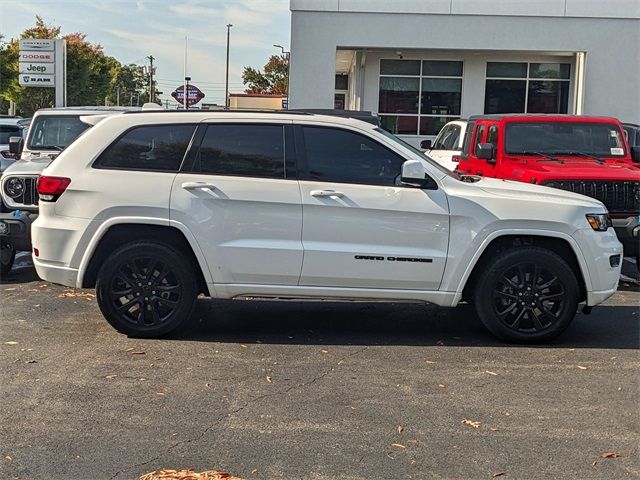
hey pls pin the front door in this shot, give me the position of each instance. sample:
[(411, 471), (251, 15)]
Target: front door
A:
[(361, 228), (240, 198)]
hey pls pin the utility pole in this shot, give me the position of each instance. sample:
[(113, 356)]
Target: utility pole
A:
[(226, 85), (151, 89)]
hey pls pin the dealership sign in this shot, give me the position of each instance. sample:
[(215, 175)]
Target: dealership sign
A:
[(29, 80), (194, 95), (36, 56), (37, 44), (37, 68)]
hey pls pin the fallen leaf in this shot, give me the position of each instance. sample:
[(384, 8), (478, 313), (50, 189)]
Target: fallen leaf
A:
[(269, 379), (491, 373), (160, 393), (471, 423), (9, 289), (243, 346), (429, 362), (594, 463), (398, 445), (609, 455), (137, 352), (581, 367), (442, 385), (499, 474), (8, 458), (189, 474), (254, 471), (507, 414), (111, 376), (493, 429), (400, 429), (324, 351), (11, 343), (207, 385)]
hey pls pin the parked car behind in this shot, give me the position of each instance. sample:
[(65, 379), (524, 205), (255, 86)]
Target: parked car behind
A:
[(50, 131), (585, 155), (447, 144), (152, 209)]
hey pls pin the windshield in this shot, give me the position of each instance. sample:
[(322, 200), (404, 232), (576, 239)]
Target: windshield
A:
[(420, 154), (564, 138), (7, 131), (54, 132)]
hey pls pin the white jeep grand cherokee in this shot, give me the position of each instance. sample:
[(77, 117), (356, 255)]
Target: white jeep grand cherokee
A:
[(155, 208)]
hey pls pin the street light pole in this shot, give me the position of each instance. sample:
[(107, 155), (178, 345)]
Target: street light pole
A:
[(287, 56), (226, 85)]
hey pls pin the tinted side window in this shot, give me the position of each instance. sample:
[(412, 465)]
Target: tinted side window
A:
[(151, 147), (466, 144), (335, 155), (245, 150), (478, 138)]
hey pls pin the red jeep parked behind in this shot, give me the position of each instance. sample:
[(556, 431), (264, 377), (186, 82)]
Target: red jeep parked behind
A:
[(586, 155)]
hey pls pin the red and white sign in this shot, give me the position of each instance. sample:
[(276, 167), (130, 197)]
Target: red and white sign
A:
[(193, 97), (37, 57)]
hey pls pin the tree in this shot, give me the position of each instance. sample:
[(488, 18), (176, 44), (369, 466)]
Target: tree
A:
[(274, 80), (92, 76)]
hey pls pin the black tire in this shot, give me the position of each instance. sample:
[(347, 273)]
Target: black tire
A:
[(527, 295), (7, 258), (146, 289)]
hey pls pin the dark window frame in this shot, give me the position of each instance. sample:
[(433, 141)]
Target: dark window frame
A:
[(95, 165), (303, 163)]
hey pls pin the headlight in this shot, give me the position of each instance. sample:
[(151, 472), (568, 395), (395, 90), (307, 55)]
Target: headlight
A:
[(14, 187), (600, 222)]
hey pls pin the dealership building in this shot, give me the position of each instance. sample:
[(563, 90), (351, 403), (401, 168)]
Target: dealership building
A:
[(421, 63)]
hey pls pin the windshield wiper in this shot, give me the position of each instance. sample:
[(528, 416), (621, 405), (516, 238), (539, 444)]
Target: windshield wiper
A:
[(581, 154), (547, 157)]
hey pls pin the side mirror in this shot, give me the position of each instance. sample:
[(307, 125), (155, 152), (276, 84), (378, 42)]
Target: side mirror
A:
[(425, 144), (414, 174), (486, 151), (15, 145), (635, 154)]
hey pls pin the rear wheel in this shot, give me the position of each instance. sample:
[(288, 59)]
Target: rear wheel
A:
[(527, 294), (146, 289), (7, 258)]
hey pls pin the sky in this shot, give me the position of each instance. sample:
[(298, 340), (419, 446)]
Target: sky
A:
[(131, 30)]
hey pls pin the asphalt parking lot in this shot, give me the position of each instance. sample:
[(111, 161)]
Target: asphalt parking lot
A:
[(317, 390)]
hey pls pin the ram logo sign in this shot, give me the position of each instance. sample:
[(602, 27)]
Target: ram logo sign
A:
[(37, 80)]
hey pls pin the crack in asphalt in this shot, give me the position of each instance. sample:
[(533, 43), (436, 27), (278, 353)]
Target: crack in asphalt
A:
[(238, 410)]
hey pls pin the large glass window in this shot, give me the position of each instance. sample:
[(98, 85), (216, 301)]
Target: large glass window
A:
[(419, 97), (54, 132), (342, 156), (521, 87), (245, 150), (152, 147)]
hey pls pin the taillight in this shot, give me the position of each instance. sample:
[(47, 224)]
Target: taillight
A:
[(50, 188)]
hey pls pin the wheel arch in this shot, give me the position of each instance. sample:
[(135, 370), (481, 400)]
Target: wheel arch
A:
[(559, 243), (120, 231)]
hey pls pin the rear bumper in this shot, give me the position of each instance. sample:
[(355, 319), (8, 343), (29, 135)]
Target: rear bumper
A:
[(628, 232), (15, 229), (53, 273)]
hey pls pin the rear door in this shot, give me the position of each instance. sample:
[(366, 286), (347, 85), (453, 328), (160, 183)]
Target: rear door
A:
[(361, 227), (239, 196)]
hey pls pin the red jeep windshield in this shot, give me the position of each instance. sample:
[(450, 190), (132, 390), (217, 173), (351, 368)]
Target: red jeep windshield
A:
[(564, 138)]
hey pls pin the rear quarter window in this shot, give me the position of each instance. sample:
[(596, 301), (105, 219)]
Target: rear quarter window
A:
[(150, 147)]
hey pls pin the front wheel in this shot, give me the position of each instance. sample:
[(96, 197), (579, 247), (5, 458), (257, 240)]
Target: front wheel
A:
[(527, 295), (146, 289), (7, 258)]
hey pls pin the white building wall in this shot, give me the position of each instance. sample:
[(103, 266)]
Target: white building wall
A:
[(612, 44)]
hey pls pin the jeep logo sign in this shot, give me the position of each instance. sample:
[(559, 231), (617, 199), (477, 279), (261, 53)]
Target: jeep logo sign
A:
[(28, 67)]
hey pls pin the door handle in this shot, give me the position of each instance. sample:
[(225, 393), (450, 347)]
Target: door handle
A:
[(194, 185), (326, 193)]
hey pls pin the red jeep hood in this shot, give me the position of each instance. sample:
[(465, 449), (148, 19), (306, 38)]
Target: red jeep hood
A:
[(576, 169)]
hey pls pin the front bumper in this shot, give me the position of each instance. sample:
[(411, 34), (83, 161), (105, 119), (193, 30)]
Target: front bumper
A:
[(15, 229), (628, 232)]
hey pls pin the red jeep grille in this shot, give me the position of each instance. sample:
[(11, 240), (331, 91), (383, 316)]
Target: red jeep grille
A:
[(617, 196)]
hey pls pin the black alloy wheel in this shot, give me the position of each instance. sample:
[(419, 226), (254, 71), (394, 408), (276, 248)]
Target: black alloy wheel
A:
[(146, 289), (527, 294)]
